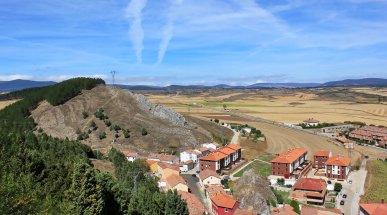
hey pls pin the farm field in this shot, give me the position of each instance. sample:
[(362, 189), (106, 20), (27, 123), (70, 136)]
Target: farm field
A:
[(376, 184), (291, 107), (4, 104)]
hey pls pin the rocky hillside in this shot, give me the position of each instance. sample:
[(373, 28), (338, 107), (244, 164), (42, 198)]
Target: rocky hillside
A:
[(252, 192), (103, 114)]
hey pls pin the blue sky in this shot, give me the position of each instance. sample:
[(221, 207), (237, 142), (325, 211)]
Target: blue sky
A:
[(208, 42)]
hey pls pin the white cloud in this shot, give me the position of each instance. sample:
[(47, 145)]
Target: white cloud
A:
[(134, 13), (168, 30), (14, 77)]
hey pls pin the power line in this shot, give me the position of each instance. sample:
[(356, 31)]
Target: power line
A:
[(113, 73)]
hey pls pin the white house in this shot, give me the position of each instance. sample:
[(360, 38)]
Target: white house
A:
[(132, 156), (186, 166), (311, 122), (209, 177), (214, 146), (192, 155), (247, 130)]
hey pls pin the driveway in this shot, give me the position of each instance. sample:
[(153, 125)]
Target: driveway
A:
[(353, 191)]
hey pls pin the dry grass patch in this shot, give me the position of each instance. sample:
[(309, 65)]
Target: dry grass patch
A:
[(103, 165), (4, 104)]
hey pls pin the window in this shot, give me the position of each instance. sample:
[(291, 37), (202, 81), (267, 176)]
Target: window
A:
[(226, 209)]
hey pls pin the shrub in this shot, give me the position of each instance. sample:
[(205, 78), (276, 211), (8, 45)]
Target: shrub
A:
[(107, 122), (93, 126), (144, 132), (40, 130), (126, 133), (102, 135), (85, 114), (216, 120)]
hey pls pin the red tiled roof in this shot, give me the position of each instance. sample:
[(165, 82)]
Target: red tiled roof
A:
[(174, 180), (213, 190), (175, 167), (244, 212), (322, 153), (343, 139), (286, 210), (311, 121), (150, 162), (312, 184), (375, 209), (214, 156), (195, 207), (226, 150), (207, 173), (223, 200), (339, 160), (289, 156), (162, 157), (233, 146), (203, 149), (318, 211)]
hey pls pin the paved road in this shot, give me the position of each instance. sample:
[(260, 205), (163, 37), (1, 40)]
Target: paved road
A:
[(193, 184), (353, 191)]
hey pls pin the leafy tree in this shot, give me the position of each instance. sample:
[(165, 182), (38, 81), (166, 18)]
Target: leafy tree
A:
[(107, 122), (126, 133), (216, 120), (102, 135), (175, 205), (338, 187), (93, 126), (296, 206), (224, 106)]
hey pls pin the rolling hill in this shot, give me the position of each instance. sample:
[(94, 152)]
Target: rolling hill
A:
[(15, 85)]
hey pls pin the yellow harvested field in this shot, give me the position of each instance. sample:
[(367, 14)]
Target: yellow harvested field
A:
[(285, 108), (4, 104)]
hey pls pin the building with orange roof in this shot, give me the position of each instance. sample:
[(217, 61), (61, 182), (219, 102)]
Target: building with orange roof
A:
[(223, 204), (164, 170), (131, 155), (195, 207), (320, 158), (286, 163), (221, 158), (209, 177), (377, 135), (152, 165), (338, 167), (319, 211), (176, 182), (285, 210), (373, 208), (212, 190), (309, 191)]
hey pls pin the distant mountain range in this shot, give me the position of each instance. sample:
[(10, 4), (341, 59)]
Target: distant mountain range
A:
[(366, 82), (9, 86), (18, 84)]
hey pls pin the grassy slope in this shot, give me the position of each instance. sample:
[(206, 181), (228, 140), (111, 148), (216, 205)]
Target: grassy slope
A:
[(376, 185)]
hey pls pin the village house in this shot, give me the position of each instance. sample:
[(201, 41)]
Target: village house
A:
[(347, 142), (371, 134), (291, 162), (221, 159), (187, 165), (132, 156), (153, 166), (195, 207), (176, 182), (284, 210), (223, 204), (211, 191), (338, 167), (373, 208), (209, 177), (191, 154), (214, 146), (309, 191), (319, 211), (164, 170), (320, 158), (311, 122), (205, 151), (164, 158)]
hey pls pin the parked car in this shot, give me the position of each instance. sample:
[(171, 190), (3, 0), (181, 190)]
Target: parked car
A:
[(329, 182), (342, 202), (344, 196), (193, 175), (350, 181)]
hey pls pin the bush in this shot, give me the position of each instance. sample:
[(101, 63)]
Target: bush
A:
[(102, 135), (40, 130), (144, 132), (216, 120), (115, 128), (107, 122), (126, 133), (93, 126), (85, 114), (280, 181)]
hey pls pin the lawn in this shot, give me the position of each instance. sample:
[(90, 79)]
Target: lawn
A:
[(376, 184), (261, 168)]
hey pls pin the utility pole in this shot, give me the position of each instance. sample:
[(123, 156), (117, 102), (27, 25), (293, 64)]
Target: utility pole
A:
[(113, 73)]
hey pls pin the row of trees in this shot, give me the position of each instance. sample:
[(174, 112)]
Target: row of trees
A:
[(41, 174)]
